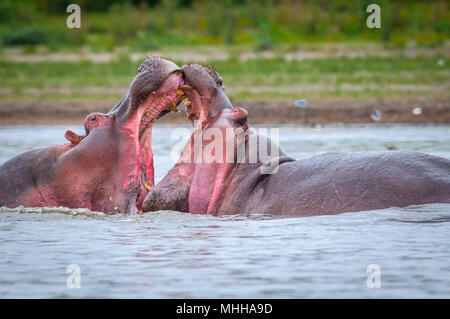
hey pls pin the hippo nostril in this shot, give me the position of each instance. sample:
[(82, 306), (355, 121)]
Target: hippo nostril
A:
[(239, 116)]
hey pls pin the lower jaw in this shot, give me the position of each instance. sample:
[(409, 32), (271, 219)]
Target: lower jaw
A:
[(146, 168)]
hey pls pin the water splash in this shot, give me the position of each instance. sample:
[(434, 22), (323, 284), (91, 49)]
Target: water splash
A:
[(53, 210)]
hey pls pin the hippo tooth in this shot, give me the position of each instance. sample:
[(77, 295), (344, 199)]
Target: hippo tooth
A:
[(187, 103), (145, 181), (153, 92), (174, 107), (186, 87), (191, 115), (179, 92)]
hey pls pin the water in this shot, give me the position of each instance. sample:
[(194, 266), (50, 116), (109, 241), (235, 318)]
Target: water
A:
[(172, 254)]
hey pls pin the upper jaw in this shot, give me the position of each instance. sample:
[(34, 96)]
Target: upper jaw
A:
[(160, 101), (204, 106), (193, 101), (199, 102)]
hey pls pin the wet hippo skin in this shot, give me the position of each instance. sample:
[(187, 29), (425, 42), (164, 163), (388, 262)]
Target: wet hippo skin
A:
[(108, 169)]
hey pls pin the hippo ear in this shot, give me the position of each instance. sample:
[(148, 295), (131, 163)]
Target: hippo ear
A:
[(72, 137)]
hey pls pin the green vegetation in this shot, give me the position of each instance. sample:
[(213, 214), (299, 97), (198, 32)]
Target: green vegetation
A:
[(256, 78), (253, 44), (261, 24)]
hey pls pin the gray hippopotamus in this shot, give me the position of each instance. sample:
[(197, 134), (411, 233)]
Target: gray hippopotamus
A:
[(331, 183), (108, 169)]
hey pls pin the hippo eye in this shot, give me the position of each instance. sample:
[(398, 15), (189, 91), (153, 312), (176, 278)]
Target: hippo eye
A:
[(93, 118)]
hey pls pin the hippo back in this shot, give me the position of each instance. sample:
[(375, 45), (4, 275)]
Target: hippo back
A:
[(16, 177), (333, 183)]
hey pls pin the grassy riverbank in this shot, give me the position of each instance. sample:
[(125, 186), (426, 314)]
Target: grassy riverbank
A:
[(253, 78), (266, 51)]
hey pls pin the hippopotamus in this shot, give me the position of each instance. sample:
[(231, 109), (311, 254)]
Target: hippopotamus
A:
[(330, 183), (110, 168)]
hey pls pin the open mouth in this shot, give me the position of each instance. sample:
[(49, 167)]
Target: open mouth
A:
[(155, 105)]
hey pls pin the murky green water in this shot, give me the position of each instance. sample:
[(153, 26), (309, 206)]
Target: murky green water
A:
[(171, 254)]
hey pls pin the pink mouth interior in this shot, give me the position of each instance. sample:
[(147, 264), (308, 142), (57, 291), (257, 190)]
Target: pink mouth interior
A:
[(157, 101)]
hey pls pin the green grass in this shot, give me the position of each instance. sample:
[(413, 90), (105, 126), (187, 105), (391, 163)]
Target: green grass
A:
[(262, 24), (257, 78)]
